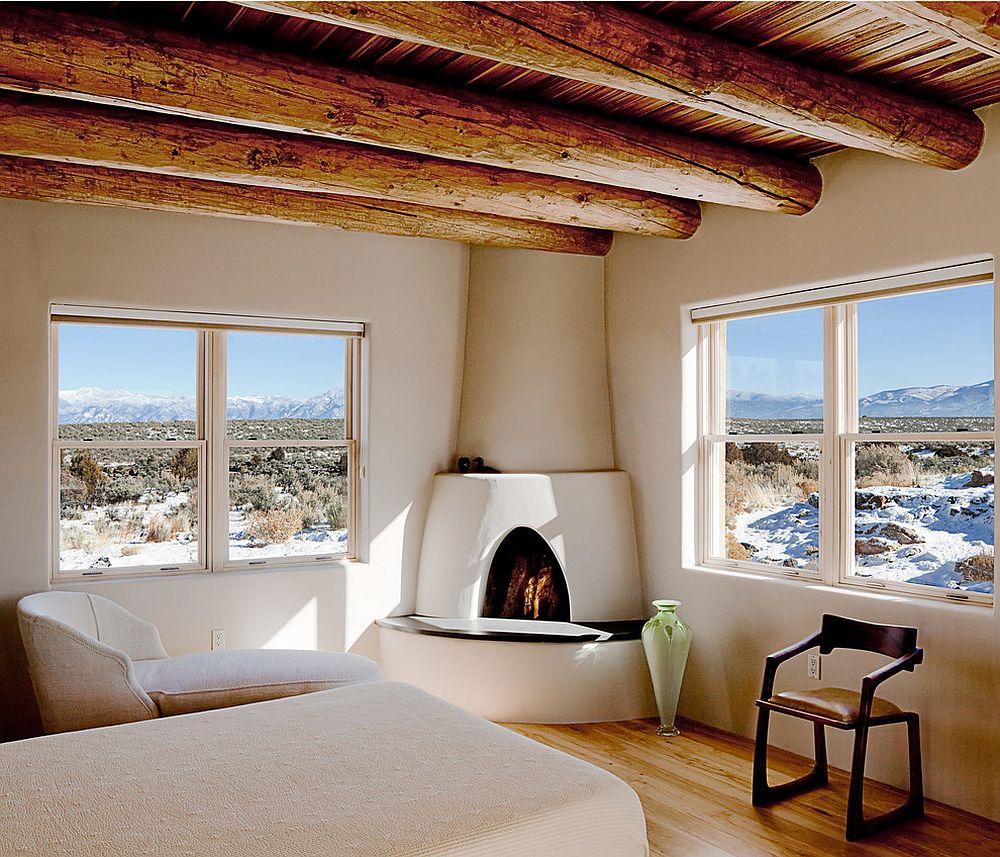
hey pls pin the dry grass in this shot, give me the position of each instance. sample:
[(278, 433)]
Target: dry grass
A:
[(158, 529), (78, 538), (749, 488)]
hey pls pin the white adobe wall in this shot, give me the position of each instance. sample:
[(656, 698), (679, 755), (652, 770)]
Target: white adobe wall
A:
[(877, 215), (412, 291), (535, 391)]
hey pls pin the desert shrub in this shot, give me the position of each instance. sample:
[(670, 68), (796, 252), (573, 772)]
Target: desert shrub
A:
[(184, 464), (254, 493), (158, 529), (735, 549), (976, 569), (180, 521), (948, 450), (274, 526), (77, 538), (277, 454), (877, 464), (335, 512), (119, 489), (766, 453), (809, 486), (85, 467), (131, 550), (767, 487)]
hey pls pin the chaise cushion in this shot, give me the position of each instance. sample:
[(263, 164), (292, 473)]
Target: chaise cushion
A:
[(837, 703), (210, 680)]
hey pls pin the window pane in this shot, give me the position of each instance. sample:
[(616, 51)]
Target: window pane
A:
[(774, 373), (772, 503), (127, 383), (924, 514), (925, 361), (284, 386), (287, 501), (127, 507)]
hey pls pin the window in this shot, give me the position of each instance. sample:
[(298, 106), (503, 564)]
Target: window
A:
[(853, 441), (189, 442)]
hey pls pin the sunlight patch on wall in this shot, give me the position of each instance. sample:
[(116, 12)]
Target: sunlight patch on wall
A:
[(299, 632)]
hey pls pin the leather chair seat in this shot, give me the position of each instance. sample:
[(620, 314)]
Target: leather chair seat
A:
[(208, 680), (836, 703)]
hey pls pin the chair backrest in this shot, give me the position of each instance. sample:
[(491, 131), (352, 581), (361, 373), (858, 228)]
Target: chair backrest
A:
[(893, 641), (80, 649)]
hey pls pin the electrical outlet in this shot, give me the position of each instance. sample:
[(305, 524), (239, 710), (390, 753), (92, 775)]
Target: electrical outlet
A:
[(814, 667), (218, 639)]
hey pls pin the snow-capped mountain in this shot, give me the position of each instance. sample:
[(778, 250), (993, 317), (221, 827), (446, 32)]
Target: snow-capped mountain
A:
[(763, 406), (93, 405), (941, 401)]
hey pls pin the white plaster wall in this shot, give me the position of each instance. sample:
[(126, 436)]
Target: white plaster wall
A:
[(877, 215), (411, 291), (535, 390)]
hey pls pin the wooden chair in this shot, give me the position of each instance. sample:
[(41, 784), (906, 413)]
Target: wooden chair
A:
[(844, 709)]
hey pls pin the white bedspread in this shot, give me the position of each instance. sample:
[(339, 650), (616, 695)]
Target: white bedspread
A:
[(376, 769)]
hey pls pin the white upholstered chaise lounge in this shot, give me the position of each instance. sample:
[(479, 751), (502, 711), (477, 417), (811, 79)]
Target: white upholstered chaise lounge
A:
[(372, 770), (93, 663)]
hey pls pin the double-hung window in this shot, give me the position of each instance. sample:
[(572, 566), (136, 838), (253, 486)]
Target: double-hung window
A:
[(200, 442), (847, 434)]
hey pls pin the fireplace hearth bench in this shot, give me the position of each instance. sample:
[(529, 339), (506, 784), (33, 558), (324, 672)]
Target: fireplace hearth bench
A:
[(373, 769)]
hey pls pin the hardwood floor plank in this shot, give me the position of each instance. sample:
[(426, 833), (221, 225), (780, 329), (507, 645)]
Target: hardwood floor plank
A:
[(695, 791)]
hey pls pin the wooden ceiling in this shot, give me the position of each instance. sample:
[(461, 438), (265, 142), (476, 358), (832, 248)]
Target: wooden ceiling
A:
[(545, 124)]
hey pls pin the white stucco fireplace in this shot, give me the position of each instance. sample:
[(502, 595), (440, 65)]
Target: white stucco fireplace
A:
[(529, 601)]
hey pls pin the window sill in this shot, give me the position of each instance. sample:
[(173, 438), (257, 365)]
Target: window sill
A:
[(340, 562), (842, 589)]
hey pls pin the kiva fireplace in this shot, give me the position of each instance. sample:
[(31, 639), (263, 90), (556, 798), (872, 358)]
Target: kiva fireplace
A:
[(529, 604)]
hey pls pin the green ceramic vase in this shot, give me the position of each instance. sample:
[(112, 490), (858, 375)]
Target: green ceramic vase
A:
[(666, 639)]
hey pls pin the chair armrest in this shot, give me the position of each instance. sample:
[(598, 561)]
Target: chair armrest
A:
[(776, 659), (871, 681)]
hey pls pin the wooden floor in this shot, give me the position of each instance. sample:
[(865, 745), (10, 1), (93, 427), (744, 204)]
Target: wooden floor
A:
[(695, 790)]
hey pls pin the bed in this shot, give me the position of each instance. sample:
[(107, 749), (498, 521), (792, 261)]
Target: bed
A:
[(375, 769)]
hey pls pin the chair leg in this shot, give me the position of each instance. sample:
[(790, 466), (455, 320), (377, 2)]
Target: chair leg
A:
[(764, 794), (858, 826)]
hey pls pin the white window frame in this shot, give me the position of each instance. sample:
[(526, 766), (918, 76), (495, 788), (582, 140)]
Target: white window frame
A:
[(211, 439), (837, 441)]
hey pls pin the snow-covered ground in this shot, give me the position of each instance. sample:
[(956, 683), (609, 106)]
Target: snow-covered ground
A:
[(106, 548), (310, 541), (922, 532)]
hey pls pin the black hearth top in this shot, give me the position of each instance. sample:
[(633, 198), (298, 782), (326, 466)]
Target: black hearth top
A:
[(510, 630)]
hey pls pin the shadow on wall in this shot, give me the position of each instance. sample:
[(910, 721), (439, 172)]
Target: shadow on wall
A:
[(18, 713)]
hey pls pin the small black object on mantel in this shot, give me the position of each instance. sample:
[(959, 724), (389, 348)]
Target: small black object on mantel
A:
[(474, 465)]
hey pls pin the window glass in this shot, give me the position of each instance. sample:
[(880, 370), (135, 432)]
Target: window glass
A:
[(287, 501), (118, 382), (925, 361), (774, 373), (126, 507), (284, 386), (772, 503), (923, 513)]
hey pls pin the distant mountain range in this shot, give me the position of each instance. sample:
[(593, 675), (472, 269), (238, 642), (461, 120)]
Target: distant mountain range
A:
[(93, 405), (940, 401)]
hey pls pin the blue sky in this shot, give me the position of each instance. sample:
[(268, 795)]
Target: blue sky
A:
[(922, 340), (162, 361)]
